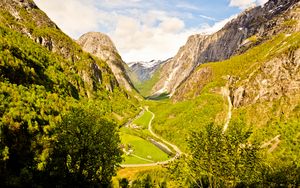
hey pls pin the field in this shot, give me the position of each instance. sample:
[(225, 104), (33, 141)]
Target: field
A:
[(143, 151), (138, 149)]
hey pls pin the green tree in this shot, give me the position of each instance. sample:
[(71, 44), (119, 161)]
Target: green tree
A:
[(86, 152), (123, 183), (218, 159)]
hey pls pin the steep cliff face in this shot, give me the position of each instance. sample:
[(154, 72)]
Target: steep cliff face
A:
[(193, 86), (286, 23), (26, 18), (249, 29), (103, 47)]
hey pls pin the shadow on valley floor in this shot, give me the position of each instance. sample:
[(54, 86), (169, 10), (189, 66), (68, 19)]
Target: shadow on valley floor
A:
[(163, 96)]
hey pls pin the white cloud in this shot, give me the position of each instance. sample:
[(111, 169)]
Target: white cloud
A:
[(171, 25), (243, 4), (262, 2), (73, 17), (136, 41), (139, 34), (207, 17)]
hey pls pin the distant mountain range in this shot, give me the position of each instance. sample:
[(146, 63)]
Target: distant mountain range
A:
[(144, 70)]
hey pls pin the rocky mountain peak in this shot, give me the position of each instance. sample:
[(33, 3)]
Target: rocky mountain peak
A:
[(92, 41), (102, 46)]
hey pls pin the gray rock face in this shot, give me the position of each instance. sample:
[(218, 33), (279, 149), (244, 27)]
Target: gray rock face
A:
[(277, 78), (102, 47), (195, 83), (287, 23), (230, 40)]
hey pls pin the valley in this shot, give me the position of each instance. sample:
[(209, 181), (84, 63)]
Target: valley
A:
[(144, 146), (224, 111)]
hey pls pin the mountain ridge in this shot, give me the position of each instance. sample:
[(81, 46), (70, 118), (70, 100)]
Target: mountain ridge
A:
[(222, 44), (286, 23)]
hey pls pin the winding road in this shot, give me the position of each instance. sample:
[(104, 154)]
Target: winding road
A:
[(174, 147)]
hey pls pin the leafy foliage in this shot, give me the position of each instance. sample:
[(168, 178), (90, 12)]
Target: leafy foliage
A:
[(217, 159), (86, 151), (224, 158), (174, 121)]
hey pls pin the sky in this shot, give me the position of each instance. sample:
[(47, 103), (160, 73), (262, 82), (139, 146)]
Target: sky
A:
[(144, 30)]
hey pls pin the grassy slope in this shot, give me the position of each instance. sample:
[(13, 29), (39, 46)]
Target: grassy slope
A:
[(67, 57), (174, 121)]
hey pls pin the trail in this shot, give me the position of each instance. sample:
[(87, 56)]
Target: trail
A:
[(164, 143), (226, 93)]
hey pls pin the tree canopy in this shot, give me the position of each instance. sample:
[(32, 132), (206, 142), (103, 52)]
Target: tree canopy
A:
[(86, 151)]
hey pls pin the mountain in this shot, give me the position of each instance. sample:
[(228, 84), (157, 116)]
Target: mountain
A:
[(256, 88), (44, 76), (25, 18), (102, 47), (286, 21), (250, 28), (144, 70), (145, 74)]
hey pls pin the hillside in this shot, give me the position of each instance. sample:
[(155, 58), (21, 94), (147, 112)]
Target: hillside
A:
[(26, 18), (264, 100), (257, 89), (259, 23), (45, 76)]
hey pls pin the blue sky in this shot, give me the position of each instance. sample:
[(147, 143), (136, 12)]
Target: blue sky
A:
[(144, 29)]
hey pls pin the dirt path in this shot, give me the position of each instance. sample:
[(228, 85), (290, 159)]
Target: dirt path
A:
[(164, 143)]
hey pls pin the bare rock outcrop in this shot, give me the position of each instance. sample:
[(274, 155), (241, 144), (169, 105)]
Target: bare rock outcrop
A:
[(279, 77), (193, 86), (102, 46)]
